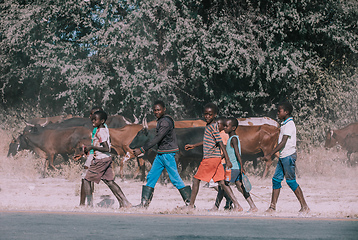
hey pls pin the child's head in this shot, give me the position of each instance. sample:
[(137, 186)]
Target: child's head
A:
[(221, 123), (99, 118), (231, 125), (159, 108), (210, 112), (95, 109), (284, 110)]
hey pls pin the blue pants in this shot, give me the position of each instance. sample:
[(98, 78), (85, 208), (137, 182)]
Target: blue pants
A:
[(167, 161), (285, 168)]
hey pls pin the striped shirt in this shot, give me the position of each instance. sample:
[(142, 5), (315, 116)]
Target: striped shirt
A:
[(211, 139)]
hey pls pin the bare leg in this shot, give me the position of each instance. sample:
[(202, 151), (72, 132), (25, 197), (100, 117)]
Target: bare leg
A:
[(117, 191), (194, 192), (82, 194), (274, 198), (299, 194), (247, 196), (231, 195), (88, 191)]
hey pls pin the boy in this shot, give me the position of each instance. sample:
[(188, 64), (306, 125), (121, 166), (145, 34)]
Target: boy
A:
[(286, 163), (211, 167), (101, 165), (167, 147), (224, 137), (233, 150), (88, 161)]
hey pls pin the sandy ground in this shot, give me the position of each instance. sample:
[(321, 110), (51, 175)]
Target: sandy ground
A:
[(329, 186)]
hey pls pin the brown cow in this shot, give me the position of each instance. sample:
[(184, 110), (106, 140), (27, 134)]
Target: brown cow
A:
[(258, 139), (54, 141), (346, 137)]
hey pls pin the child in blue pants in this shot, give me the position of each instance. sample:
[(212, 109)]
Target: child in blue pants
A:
[(286, 163), (167, 147)]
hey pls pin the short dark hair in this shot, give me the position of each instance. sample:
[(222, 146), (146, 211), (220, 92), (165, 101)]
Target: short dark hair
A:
[(234, 121), (159, 102), (286, 107), (222, 118), (212, 106), (96, 108), (102, 114)]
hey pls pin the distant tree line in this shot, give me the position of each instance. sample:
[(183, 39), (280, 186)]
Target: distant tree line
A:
[(245, 55)]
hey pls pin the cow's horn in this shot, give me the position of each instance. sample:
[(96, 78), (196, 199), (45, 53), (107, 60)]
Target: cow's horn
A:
[(136, 121), (126, 121), (145, 124), (44, 124), (29, 124)]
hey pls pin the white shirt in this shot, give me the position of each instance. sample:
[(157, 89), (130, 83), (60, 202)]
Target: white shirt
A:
[(288, 128), (102, 135)]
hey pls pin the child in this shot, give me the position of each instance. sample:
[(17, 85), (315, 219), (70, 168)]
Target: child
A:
[(211, 167), (167, 147), (233, 149), (286, 163), (224, 137), (101, 165), (88, 161)]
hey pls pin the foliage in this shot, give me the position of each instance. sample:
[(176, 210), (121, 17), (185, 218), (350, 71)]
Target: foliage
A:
[(244, 55)]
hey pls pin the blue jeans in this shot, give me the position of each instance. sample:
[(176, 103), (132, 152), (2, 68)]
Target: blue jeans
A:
[(285, 168), (167, 161)]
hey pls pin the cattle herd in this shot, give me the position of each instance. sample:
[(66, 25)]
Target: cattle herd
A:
[(65, 136)]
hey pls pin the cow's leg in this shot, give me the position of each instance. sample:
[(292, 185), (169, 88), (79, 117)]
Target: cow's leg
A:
[(267, 167), (45, 168), (349, 163), (117, 191), (142, 168), (52, 157)]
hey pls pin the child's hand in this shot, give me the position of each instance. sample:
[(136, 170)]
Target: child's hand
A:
[(228, 164), (137, 152), (189, 146), (242, 170), (266, 158), (87, 148)]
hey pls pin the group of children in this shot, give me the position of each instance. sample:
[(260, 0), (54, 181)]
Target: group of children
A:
[(216, 158)]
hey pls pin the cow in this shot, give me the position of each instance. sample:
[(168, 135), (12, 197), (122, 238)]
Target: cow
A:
[(54, 141), (46, 120), (254, 140), (346, 137)]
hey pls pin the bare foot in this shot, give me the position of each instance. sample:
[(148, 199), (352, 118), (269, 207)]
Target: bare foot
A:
[(237, 209), (189, 207), (270, 210), (213, 209), (305, 210), (253, 209)]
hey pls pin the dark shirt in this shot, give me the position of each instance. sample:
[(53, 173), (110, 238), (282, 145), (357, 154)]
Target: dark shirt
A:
[(165, 136)]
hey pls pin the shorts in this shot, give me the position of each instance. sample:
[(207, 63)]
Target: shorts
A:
[(236, 175), (100, 169), (286, 168), (210, 168)]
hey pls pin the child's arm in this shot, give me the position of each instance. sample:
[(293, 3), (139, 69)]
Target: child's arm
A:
[(103, 148), (280, 146), (227, 160), (235, 144), (191, 146)]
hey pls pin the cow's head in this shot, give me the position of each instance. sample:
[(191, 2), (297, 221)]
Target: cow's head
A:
[(34, 127), (17, 145), (330, 139), (143, 136)]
